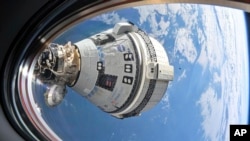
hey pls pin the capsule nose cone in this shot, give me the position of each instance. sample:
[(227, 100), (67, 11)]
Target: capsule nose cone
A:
[(55, 95)]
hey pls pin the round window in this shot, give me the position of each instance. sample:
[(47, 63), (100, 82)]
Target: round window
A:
[(140, 73)]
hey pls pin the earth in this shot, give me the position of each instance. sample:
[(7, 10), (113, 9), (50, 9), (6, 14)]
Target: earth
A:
[(207, 45)]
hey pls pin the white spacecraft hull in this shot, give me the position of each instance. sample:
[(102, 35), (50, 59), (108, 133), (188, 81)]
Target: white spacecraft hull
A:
[(123, 71)]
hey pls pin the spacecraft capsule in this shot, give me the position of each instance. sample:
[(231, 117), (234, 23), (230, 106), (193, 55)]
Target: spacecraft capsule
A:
[(122, 71)]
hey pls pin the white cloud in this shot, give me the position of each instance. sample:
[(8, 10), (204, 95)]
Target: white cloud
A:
[(148, 14), (110, 18), (184, 45), (202, 59), (184, 41), (219, 112), (212, 108), (174, 8), (164, 25), (212, 42), (183, 75), (221, 108), (150, 11), (189, 15), (216, 78), (165, 102)]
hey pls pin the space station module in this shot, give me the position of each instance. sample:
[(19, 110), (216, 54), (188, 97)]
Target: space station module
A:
[(122, 70)]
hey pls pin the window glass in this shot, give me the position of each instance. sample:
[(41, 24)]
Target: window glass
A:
[(206, 45)]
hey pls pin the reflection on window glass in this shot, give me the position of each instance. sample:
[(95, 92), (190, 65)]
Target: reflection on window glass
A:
[(207, 47)]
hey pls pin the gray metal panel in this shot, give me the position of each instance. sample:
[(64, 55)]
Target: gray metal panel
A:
[(88, 73), (122, 28)]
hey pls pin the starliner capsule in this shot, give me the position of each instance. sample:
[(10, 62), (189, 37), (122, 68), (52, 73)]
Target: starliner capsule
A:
[(122, 71)]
